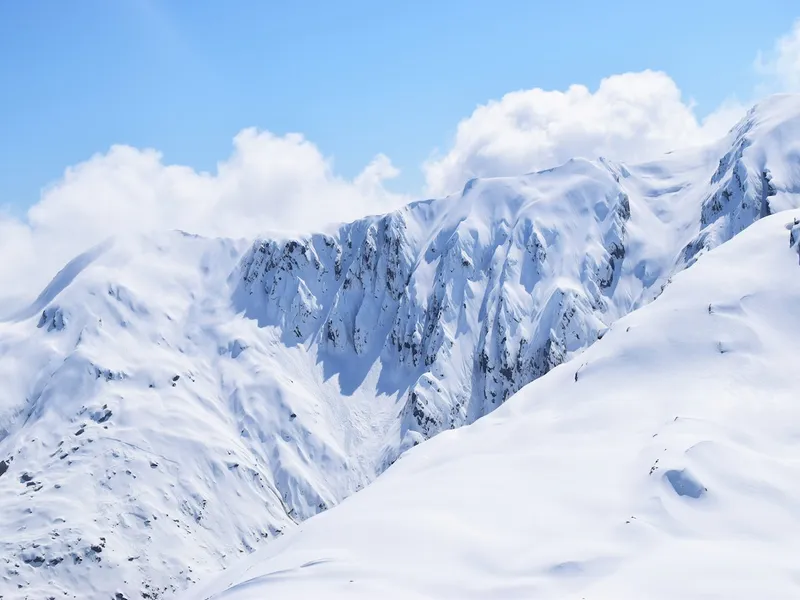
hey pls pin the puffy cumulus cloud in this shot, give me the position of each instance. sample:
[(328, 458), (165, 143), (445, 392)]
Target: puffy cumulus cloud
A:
[(781, 66), (268, 183), (633, 116), (283, 182)]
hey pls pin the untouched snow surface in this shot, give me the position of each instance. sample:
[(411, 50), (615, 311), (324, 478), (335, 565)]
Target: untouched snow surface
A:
[(170, 402), (669, 469)]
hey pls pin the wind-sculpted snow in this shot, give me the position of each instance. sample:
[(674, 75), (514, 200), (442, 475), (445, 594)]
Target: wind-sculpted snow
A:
[(661, 464), (171, 402)]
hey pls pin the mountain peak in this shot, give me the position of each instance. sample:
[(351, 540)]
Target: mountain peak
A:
[(201, 396)]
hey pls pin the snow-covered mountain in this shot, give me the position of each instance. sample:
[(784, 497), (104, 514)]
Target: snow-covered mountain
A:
[(661, 464), (170, 402)]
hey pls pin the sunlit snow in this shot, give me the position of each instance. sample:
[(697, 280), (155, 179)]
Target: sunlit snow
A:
[(172, 403)]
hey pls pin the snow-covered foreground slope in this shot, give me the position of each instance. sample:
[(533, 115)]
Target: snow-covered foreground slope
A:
[(663, 463), (171, 402)]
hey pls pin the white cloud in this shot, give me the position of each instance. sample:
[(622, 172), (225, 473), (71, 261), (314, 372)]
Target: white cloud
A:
[(269, 182), (274, 182), (781, 66), (630, 117)]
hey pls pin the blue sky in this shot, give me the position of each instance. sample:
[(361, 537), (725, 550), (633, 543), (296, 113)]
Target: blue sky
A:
[(355, 77)]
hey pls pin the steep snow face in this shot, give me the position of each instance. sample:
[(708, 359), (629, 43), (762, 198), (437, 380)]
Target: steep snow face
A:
[(458, 303), (170, 402), (758, 175), (661, 464), (454, 304)]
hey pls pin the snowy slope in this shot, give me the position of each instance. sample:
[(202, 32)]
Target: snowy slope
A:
[(170, 402), (662, 464), (464, 300)]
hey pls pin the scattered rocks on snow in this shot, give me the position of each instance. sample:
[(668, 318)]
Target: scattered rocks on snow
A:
[(52, 319)]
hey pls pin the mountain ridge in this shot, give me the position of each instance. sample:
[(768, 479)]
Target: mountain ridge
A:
[(267, 380), (666, 470)]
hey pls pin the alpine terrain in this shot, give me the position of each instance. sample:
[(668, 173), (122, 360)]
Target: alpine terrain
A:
[(171, 403), (662, 463)]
